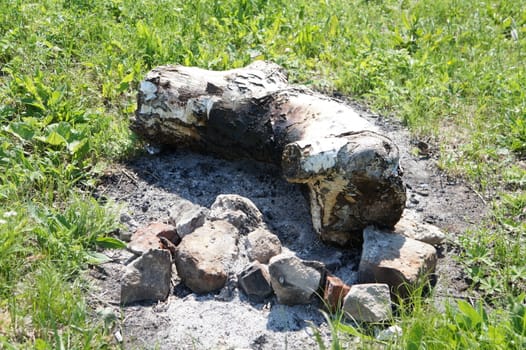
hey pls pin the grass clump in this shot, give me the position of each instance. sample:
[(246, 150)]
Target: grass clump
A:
[(452, 70), (459, 325)]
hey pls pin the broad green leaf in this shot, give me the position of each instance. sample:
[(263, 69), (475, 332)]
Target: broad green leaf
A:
[(21, 130), (334, 24), (125, 83), (518, 318), (128, 78), (495, 336), (79, 148), (34, 103), (53, 139), (110, 243), (96, 258), (63, 128), (472, 317), (55, 97)]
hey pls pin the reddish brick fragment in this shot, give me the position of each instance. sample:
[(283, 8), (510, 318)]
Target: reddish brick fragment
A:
[(148, 237), (335, 291)]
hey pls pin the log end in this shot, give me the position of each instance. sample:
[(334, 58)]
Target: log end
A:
[(354, 182)]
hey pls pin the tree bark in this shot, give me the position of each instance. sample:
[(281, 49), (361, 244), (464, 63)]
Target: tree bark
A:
[(352, 171)]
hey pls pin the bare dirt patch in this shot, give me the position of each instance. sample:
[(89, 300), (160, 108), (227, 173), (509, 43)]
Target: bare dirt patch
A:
[(149, 185)]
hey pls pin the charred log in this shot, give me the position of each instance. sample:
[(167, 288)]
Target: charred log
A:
[(351, 170)]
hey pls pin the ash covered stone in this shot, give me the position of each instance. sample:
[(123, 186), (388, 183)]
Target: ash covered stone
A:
[(148, 277), (399, 261), (262, 245), (410, 226), (187, 216), (204, 256), (237, 210), (368, 302), (292, 280)]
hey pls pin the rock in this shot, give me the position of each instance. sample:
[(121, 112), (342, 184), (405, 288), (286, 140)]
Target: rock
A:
[(146, 238), (126, 235), (335, 291), (203, 258), (147, 277), (187, 216), (399, 261), (292, 280), (167, 244), (368, 302), (118, 336), (127, 219), (411, 227), (227, 293), (238, 211), (255, 281), (389, 334), (318, 266), (262, 245)]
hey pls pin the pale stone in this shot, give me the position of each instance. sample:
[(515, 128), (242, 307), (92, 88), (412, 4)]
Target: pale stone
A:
[(262, 245), (410, 226), (148, 277), (390, 333), (237, 210), (125, 236), (187, 216), (399, 261), (368, 302), (203, 257), (292, 280)]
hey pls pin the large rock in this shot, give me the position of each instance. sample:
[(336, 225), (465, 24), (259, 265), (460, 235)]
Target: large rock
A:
[(149, 237), (368, 302), (148, 277), (262, 245), (255, 281), (399, 261), (293, 281), (237, 210), (187, 216), (203, 258), (410, 226)]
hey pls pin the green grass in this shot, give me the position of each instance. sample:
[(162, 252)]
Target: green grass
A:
[(452, 70), (460, 325)]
